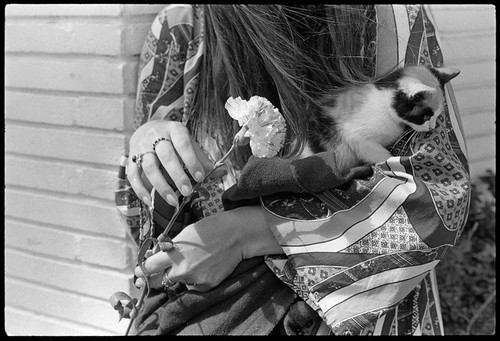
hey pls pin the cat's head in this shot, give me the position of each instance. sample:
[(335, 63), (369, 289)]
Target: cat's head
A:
[(419, 97)]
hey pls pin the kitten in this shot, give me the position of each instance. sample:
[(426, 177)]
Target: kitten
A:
[(360, 121)]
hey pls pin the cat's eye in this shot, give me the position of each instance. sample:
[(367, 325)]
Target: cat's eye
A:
[(426, 114), (418, 97)]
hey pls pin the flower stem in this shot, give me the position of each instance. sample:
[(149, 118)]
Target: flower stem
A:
[(163, 236), (136, 308), (220, 163), (186, 199)]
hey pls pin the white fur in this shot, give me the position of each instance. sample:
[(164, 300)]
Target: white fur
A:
[(412, 86), (366, 130), (366, 121)]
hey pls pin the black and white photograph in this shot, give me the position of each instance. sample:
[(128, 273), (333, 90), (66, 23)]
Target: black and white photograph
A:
[(249, 169)]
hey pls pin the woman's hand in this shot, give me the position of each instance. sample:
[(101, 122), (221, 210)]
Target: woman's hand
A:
[(207, 251), (175, 148)]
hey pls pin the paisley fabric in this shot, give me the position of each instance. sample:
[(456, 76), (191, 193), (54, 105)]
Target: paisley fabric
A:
[(361, 256), (167, 83), (367, 265)]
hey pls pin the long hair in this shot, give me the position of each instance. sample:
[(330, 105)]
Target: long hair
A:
[(288, 54)]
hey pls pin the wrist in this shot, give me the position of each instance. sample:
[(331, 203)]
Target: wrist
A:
[(252, 234)]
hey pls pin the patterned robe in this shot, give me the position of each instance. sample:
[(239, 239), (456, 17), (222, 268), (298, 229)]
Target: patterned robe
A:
[(363, 257)]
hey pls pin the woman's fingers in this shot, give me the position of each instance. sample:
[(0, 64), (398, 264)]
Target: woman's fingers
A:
[(154, 281), (174, 149), (190, 284), (134, 177), (151, 168), (154, 264), (168, 157), (185, 148)]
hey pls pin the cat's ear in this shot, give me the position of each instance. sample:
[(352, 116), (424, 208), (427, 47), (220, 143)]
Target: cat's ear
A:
[(444, 74)]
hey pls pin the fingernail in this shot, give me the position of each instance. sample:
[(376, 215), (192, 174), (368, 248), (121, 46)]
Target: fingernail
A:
[(164, 246), (172, 200), (186, 190), (139, 282), (146, 200), (199, 176)]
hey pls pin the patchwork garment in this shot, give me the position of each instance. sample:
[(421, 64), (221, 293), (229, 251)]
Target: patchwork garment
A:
[(361, 256), (167, 82)]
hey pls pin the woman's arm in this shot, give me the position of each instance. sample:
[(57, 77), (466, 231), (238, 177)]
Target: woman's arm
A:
[(207, 251), (168, 71)]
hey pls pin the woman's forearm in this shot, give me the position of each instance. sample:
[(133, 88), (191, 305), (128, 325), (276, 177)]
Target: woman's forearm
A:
[(254, 235)]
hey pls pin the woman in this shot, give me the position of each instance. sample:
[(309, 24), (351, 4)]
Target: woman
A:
[(396, 221)]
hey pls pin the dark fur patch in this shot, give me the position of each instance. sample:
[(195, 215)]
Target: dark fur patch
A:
[(402, 104), (405, 106), (321, 128), (436, 74)]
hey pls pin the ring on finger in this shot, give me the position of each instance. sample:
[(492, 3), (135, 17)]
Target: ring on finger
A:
[(159, 140), (165, 281), (137, 159)]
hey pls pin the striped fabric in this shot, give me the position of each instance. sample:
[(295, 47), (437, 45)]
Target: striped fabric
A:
[(367, 266), (364, 258), (167, 83), (168, 70)]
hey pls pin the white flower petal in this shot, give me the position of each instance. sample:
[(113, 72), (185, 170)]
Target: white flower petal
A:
[(238, 109), (266, 126)]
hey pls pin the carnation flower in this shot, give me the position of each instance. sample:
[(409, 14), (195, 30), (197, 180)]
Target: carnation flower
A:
[(261, 123)]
